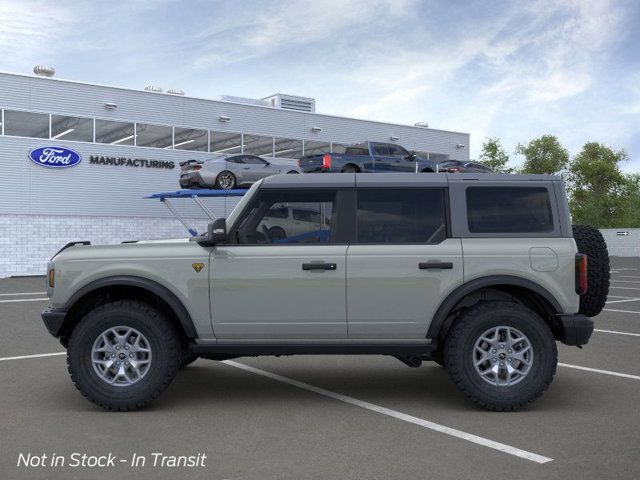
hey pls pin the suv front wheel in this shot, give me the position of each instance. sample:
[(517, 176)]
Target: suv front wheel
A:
[(502, 355), (123, 354)]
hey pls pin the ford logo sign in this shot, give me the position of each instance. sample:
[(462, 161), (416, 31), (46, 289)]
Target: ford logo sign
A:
[(55, 157)]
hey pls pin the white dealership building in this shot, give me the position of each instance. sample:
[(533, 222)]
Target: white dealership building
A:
[(127, 144)]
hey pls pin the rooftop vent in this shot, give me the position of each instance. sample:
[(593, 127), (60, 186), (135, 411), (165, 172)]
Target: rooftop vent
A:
[(153, 88), (422, 124), (175, 91), (291, 102), (44, 71)]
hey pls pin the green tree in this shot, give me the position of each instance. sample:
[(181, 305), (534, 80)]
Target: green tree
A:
[(494, 156), (600, 192), (543, 155)]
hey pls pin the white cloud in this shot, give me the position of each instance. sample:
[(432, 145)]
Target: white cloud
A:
[(30, 28)]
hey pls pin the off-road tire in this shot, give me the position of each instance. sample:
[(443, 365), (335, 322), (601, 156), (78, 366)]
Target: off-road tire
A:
[(460, 343), (165, 346), (590, 242)]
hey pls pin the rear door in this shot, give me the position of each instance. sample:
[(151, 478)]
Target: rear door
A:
[(402, 264)]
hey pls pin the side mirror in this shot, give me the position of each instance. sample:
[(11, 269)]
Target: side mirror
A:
[(267, 164), (216, 233)]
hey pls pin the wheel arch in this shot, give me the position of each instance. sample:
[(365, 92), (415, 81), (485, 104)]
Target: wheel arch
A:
[(126, 286), (353, 165), (526, 291)]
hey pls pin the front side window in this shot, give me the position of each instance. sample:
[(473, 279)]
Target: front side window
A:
[(401, 216), (397, 151), (253, 160), (268, 222), (509, 210), (382, 150)]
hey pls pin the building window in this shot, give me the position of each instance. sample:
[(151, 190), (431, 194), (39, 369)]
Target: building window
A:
[(287, 148), (316, 148), (509, 210), (157, 136), (401, 216), (226, 143), (72, 128), (26, 124), (257, 145), (114, 133), (191, 139)]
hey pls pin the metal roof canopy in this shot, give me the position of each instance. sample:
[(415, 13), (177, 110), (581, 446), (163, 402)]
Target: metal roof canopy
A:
[(194, 194)]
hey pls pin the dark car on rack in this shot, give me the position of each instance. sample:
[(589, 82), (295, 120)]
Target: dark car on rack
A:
[(369, 157), (462, 166)]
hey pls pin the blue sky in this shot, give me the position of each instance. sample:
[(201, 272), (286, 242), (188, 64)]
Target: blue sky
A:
[(515, 70)]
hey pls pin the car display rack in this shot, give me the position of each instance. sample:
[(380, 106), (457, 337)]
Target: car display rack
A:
[(196, 195)]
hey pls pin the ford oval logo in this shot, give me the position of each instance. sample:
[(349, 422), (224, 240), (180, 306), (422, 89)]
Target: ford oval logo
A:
[(55, 157)]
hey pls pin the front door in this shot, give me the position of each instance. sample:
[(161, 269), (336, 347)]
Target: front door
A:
[(280, 280), (402, 264)]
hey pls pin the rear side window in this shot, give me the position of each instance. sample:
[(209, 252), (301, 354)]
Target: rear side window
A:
[(401, 216), (509, 210)]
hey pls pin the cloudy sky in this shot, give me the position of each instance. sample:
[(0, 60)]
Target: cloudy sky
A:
[(514, 70)]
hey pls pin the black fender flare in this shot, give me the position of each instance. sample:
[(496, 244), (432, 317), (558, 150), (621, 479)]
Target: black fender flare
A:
[(493, 280), (161, 291)]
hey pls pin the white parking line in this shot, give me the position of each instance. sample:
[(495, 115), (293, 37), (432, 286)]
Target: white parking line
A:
[(616, 332), (624, 288), (596, 370), (622, 301), (23, 357), (625, 281), (21, 293), (24, 300), (619, 311), (628, 276), (485, 442)]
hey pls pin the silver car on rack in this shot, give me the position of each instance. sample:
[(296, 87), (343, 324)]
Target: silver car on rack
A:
[(231, 171)]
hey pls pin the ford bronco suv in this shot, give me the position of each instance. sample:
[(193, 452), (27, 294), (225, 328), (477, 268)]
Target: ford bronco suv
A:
[(481, 273)]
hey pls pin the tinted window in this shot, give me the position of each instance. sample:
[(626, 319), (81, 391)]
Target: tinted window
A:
[(397, 151), (357, 151), (479, 166), (267, 221), (401, 216), (381, 150), (254, 160), (509, 210), (235, 159)]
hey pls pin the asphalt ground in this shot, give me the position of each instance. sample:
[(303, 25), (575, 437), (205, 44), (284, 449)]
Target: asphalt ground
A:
[(326, 417)]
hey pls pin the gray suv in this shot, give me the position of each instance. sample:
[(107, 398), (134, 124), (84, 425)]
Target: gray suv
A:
[(481, 273)]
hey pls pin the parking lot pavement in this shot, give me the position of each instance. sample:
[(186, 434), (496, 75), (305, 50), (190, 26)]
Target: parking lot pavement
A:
[(330, 417)]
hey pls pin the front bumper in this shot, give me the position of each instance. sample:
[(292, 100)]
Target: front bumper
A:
[(575, 329), (53, 319)]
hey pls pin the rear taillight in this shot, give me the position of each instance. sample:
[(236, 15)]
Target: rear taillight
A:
[(298, 162), (454, 170), (196, 167), (581, 274), (326, 161)]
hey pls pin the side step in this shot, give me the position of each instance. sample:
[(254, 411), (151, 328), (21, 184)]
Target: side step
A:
[(406, 350)]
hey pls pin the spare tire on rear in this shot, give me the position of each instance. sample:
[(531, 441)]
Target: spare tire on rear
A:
[(590, 242)]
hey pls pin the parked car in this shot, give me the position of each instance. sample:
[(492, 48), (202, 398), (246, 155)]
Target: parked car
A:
[(231, 171), (480, 273), (368, 157), (460, 166)]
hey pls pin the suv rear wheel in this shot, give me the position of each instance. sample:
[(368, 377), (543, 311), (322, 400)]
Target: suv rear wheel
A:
[(123, 354), (501, 355)]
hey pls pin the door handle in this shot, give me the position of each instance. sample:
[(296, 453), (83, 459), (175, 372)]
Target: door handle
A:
[(435, 265), (319, 266)]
